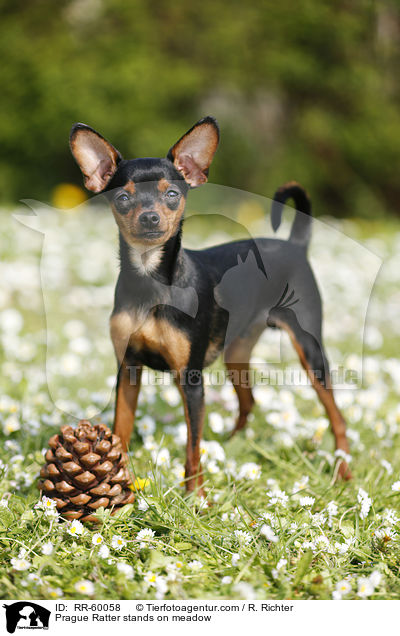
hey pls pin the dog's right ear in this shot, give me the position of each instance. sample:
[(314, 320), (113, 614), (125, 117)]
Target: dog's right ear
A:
[(96, 157)]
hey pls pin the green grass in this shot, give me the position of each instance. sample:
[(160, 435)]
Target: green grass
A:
[(255, 537)]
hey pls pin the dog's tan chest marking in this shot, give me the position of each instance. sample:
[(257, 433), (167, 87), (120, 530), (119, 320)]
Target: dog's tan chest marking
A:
[(145, 261), (149, 333)]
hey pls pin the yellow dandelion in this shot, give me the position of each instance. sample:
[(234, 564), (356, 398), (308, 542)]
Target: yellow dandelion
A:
[(139, 484)]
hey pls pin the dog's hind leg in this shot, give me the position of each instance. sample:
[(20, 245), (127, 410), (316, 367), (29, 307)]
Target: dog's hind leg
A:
[(237, 360), (314, 361)]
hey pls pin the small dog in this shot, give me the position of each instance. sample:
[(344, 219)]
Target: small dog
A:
[(171, 304)]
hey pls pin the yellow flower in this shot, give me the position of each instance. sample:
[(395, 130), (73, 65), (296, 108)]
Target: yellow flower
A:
[(139, 484), (53, 593), (67, 196)]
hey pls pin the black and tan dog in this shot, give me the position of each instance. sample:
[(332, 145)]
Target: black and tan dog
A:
[(177, 309)]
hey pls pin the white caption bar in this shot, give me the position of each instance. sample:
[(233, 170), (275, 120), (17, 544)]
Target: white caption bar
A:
[(173, 617)]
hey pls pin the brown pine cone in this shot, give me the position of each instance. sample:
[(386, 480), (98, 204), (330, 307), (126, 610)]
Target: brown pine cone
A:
[(85, 469)]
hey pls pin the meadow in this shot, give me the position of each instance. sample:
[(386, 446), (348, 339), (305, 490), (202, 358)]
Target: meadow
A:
[(276, 523)]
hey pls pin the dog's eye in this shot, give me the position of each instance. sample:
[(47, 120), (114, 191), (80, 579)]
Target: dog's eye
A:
[(172, 194), (122, 197)]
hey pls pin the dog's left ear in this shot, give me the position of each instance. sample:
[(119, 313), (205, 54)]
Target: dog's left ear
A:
[(194, 152)]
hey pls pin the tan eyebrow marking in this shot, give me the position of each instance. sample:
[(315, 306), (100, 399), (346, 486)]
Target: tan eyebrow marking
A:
[(130, 187), (163, 185)]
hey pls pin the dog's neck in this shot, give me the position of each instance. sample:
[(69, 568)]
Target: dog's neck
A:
[(144, 264)]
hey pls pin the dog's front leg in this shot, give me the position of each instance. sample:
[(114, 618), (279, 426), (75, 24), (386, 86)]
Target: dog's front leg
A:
[(192, 391)]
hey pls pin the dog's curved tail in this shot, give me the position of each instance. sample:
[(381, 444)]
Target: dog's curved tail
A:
[(301, 228)]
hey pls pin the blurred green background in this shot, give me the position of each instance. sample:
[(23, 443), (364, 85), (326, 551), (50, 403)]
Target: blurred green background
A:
[(302, 90)]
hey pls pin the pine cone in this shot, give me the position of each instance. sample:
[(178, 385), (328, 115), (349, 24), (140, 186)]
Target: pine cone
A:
[(85, 469)]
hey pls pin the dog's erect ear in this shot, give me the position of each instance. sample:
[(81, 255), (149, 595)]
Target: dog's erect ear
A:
[(95, 156), (194, 152)]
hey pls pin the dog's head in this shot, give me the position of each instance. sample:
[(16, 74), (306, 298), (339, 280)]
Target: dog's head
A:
[(147, 196)]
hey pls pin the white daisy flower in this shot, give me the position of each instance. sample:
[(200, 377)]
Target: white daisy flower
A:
[(281, 564), (235, 559), (343, 587), (150, 444), (376, 578), (195, 565), (85, 587), (319, 519), (34, 578), (244, 538), (125, 569), (118, 542), (174, 570), (144, 536), (146, 426), (387, 466), (249, 471), (11, 321), (142, 504), (47, 548), (216, 422), (332, 508), (45, 503), (267, 532), (20, 564), (343, 455), (244, 590), (212, 467), (308, 545), (161, 457), (75, 528), (226, 580), (365, 587), (307, 501), (390, 516), (230, 467), (151, 579), (11, 424), (386, 534), (365, 502), (211, 451), (161, 587), (171, 396), (104, 551), (342, 548), (97, 539), (301, 484), (54, 592), (178, 471), (278, 496)]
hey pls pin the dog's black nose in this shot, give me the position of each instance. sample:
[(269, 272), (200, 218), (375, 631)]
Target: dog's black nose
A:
[(149, 220)]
